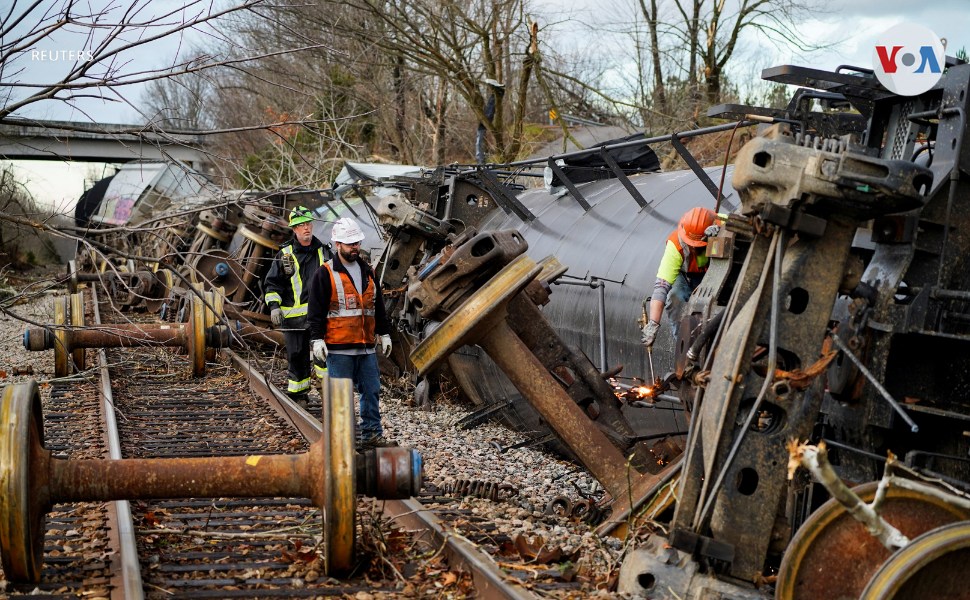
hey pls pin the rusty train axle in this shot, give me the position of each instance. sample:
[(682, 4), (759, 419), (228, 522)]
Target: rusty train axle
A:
[(330, 474)]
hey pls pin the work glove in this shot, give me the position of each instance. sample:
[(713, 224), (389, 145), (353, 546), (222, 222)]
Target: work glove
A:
[(649, 333), (712, 230), (386, 344), (276, 316), (287, 263), (319, 351)]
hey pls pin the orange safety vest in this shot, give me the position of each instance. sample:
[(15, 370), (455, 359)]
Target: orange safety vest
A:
[(350, 320), (690, 258)]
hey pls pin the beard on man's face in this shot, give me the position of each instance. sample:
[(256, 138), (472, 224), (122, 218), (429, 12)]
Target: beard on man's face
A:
[(348, 254)]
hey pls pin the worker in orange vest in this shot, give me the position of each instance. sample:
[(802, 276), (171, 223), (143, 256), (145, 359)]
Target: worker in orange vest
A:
[(346, 318), (681, 269)]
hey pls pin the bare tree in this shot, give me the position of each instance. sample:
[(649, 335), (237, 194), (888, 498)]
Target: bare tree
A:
[(410, 60), (112, 35), (712, 30), (18, 245), (398, 81), (684, 50), (96, 47), (180, 101)]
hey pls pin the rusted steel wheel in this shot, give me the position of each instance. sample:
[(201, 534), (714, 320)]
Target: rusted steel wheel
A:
[(72, 279), (222, 238), (217, 268), (931, 566), (475, 314), (196, 337), (77, 320), (251, 234), (188, 274), (62, 338), (214, 303), (832, 555), (23, 509), (339, 495), (161, 291)]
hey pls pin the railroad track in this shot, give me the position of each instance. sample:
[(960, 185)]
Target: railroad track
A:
[(238, 547)]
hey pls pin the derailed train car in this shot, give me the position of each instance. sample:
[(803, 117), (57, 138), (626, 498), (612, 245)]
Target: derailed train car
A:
[(610, 239), (846, 324), (835, 310), (611, 247)]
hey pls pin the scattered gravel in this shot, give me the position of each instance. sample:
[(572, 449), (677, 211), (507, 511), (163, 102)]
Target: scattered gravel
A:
[(538, 477), (450, 455), (81, 527), (33, 305)]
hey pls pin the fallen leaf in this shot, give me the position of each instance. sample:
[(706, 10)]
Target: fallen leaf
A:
[(537, 551)]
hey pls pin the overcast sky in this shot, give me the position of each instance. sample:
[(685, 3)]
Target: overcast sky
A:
[(850, 29), (58, 185), (855, 25), (51, 58)]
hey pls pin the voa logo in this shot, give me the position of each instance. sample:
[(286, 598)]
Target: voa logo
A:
[(908, 59)]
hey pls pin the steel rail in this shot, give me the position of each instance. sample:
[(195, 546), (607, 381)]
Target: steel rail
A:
[(490, 583), (305, 423), (489, 580), (124, 565)]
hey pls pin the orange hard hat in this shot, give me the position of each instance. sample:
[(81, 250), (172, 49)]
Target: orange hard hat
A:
[(693, 224)]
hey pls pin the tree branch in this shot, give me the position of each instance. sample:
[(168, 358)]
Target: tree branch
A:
[(815, 460)]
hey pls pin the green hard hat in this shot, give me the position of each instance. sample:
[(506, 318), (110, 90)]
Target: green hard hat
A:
[(300, 214)]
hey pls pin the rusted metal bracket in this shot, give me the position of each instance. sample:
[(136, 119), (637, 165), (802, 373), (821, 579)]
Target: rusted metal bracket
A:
[(734, 476), (560, 383)]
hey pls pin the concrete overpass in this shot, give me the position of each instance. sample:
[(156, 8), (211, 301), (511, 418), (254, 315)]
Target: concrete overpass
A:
[(95, 142)]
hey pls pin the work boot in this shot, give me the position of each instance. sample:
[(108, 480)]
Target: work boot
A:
[(375, 441), (301, 399)]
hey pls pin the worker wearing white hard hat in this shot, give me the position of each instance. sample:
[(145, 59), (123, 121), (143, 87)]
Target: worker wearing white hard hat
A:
[(346, 316)]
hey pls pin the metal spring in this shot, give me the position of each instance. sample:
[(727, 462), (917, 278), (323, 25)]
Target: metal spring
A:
[(488, 490), (818, 142), (585, 510)]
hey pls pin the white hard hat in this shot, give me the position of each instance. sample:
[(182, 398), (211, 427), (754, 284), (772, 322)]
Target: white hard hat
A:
[(346, 231)]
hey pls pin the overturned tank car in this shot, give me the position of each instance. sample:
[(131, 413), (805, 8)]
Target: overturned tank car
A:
[(607, 228), (834, 311)]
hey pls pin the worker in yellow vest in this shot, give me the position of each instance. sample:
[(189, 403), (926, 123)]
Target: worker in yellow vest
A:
[(681, 269), (287, 292)]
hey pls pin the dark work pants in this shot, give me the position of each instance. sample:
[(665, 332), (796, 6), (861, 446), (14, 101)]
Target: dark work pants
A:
[(363, 370), (297, 356)]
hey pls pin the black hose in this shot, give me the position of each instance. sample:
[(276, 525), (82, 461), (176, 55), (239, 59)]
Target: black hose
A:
[(693, 353)]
